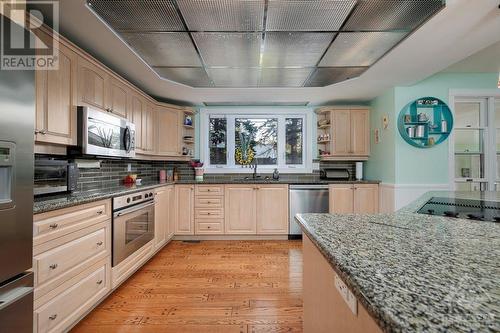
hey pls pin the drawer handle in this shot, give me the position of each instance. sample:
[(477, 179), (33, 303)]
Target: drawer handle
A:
[(99, 282), (53, 226), (100, 212), (53, 317), (99, 243), (208, 213), (208, 227), (53, 266)]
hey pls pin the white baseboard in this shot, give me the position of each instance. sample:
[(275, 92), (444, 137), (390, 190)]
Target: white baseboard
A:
[(396, 196)]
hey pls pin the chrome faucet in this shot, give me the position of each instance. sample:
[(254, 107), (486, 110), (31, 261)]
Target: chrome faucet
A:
[(254, 166)]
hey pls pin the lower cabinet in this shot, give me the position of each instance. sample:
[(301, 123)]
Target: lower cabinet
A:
[(256, 209), (354, 198), (163, 215), (184, 210)]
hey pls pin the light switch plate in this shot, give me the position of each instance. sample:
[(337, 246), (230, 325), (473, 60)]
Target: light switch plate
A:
[(347, 295), (129, 167)]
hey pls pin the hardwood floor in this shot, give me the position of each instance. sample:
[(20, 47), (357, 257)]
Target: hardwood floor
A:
[(211, 286)]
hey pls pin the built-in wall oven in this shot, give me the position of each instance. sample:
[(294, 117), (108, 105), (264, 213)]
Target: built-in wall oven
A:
[(103, 134), (133, 223)]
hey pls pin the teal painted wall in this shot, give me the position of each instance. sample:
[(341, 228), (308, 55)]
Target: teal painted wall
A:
[(430, 166), (382, 163)]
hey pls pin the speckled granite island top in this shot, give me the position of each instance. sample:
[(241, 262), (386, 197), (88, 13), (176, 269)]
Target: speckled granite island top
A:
[(414, 272)]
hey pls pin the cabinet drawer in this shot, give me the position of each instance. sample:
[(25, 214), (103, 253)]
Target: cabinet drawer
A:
[(52, 263), (209, 202), (207, 213), (50, 225), (73, 301), (209, 190), (209, 227)]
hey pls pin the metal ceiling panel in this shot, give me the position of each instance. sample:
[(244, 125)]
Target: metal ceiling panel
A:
[(256, 103), (190, 76), (229, 49), (325, 76), (234, 77), (307, 15), (223, 15), (360, 48), (138, 15), (164, 49), (379, 15), (301, 49), (284, 77)]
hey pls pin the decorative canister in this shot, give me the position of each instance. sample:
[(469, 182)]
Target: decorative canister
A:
[(198, 174), (163, 175), (420, 131), (411, 131)]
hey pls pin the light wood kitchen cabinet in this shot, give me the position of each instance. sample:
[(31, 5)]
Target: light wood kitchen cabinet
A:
[(56, 99), (349, 131), (136, 116), (92, 81), (162, 217), (184, 210), (240, 209), (272, 209), (116, 98), (169, 131), (148, 128), (354, 198)]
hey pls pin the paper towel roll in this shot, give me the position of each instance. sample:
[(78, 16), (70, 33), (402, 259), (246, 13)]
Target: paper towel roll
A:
[(359, 170)]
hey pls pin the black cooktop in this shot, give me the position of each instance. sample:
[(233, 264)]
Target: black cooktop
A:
[(462, 208)]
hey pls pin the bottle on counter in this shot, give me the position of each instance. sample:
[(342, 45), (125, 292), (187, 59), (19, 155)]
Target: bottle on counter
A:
[(176, 174), (276, 174)]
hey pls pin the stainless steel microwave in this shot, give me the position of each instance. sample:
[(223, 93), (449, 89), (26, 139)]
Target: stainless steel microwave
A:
[(103, 134)]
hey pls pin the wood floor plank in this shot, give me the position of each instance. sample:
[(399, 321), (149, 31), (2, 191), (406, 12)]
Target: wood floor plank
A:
[(212, 287)]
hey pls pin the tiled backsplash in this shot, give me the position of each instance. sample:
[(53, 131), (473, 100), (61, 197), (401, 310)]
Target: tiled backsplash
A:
[(112, 172)]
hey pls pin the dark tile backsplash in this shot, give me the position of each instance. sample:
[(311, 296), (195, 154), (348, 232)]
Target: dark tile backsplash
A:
[(113, 171)]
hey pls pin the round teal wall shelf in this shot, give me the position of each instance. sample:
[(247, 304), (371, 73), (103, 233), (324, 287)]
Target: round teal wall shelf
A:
[(425, 122)]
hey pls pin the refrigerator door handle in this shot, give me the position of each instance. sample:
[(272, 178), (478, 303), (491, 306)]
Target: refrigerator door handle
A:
[(12, 296)]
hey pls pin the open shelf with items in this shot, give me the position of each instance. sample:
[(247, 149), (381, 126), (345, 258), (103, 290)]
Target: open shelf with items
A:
[(323, 132), (188, 133), (425, 122)]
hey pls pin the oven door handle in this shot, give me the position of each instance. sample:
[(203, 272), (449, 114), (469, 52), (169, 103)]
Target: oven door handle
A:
[(133, 209)]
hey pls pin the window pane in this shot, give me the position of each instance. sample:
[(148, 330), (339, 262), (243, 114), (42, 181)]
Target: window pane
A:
[(468, 141), (293, 141), (467, 114), (469, 166), (218, 141), (256, 138)]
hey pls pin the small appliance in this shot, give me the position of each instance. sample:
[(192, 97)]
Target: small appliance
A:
[(335, 174), (55, 176)]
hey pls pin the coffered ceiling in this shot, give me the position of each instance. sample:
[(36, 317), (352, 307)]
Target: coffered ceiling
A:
[(262, 43)]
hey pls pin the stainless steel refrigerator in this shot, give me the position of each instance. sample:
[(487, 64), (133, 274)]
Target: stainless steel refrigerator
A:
[(17, 114)]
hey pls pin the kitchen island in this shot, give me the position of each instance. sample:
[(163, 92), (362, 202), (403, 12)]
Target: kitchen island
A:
[(409, 272)]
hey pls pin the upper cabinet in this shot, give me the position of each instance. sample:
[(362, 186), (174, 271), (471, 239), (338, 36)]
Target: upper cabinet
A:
[(344, 133), (56, 99), (116, 98), (92, 81), (148, 128), (137, 105), (169, 121)]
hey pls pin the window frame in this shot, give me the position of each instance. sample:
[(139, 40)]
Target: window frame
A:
[(281, 114)]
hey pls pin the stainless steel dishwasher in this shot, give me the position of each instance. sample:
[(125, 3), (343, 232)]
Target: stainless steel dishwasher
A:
[(306, 199)]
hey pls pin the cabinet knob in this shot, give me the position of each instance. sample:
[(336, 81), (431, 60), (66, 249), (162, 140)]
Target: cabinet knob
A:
[(43, 132), (100, 212), (53, 266), (208, 227), (99, 282), (53, 317), (37, 131), (208, 190), (53, 226), (99, 243)]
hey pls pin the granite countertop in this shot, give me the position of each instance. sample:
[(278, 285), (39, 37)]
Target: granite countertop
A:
[(53, 202), (414, 272)]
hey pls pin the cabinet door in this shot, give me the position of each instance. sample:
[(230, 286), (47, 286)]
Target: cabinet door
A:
[(169, 134), (91, 84), (116, 98), (240, 217), (136, 110), (272, 209), (184, 217), (341, 199), (366, 199), (360, 132), (171, 211), (341, 136), (148, 132), (161, 217), (56, 100)]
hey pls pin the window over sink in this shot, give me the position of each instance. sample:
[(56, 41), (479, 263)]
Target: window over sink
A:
[(233, 140)]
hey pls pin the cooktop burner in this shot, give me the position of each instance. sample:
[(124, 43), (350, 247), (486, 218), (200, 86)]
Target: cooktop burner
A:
[(463, 208)]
